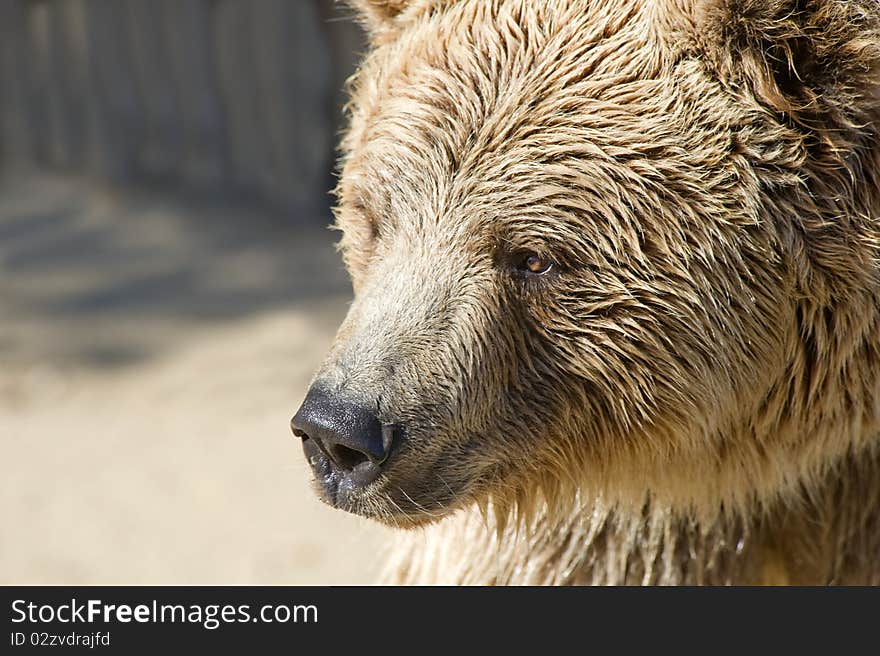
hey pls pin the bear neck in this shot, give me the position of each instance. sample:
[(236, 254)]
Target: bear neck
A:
[(827, 534)]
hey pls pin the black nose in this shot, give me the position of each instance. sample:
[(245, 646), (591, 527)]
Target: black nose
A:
[(348, 434)]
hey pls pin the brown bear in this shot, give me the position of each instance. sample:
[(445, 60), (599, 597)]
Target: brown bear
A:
[(617, 292)]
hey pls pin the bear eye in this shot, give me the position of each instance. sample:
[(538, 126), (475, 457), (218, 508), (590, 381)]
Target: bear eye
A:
[(533, 264)]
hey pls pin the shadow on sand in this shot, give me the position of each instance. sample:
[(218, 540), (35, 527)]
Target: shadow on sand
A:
[(102, 277)]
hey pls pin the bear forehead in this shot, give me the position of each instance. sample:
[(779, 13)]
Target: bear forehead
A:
[(487, 76), (512, 118), (493, 107)]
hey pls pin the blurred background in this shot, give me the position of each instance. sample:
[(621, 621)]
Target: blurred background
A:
[(167, 287)]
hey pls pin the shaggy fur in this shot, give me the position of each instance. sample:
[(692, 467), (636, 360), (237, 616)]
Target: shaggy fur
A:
[(691, 394)]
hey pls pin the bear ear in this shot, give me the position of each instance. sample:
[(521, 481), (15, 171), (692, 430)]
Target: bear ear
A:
[(378, 15), (815, 61)]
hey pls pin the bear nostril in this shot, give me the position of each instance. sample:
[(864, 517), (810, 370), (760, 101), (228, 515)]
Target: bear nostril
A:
[(347, 458)]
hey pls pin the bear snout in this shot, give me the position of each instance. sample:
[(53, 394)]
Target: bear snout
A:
[(344, 442)]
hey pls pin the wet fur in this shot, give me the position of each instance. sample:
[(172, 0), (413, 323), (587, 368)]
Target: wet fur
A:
[(695, 396)]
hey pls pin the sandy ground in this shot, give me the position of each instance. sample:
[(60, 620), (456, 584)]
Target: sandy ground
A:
[(152, 351)]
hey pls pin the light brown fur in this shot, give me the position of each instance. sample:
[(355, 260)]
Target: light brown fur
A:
[(692, 393)]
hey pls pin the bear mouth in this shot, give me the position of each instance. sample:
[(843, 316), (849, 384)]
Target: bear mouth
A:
[(337, 486), (386, 496)]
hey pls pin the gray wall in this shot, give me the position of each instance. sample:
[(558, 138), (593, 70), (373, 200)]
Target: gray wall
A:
[(220, 96)]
